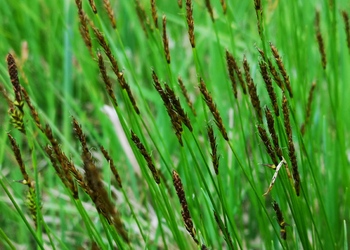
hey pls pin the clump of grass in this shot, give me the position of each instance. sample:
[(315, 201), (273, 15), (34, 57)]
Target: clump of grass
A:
[(111, 187)]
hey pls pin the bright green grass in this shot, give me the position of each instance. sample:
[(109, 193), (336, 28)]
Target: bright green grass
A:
[(63, 81)]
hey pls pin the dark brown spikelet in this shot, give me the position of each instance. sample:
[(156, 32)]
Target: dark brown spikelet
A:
[(112, 166), (154, 14), (18, 156), (106, 79), (146, 156), (308, 108), (110, 13), (231, 70), (93, 6), (224, 230), (66, 164), (213, 109), (130, 95), (83, 27), (347, 28), (252, 90), (210, 9), (282, 69), (291, 149), (223, 5), (141, 13), (320, 40), (237, 70), (98, 192), (280, 220), (33, 111), (269, 87), (165, 41), (271, 127), (179, 2), (12, 69), (204, 247), (177, 106), (214, 148), (175, 118), (266, 140), (185, 94), (185, 212), (258, 11), (190, 22), (275, 75)]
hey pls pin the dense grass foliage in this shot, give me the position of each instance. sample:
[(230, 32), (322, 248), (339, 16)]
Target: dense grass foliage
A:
[(174, 124)]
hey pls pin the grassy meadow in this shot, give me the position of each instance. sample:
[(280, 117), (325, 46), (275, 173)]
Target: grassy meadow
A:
[(174, 124)]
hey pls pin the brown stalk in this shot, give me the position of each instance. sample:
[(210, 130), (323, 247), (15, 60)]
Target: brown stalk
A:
[(347, 28), (210, 10), (112, 166), (165, 41), (146, 156), (282, 69), (308, 108), (190, 22), (154, 14), (269, 87), (320, 40), (280, 220), (213, 109), (291, 149), (214, 147), (186, 216), (110, 13), (252, 90), (185, 94)]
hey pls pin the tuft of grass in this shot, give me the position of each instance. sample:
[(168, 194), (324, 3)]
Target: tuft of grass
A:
[(108, 116)]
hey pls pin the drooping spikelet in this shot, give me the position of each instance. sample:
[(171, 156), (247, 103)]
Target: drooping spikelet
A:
[(291, 149), (210, 10), (186, 216), (185, 94), (347, 28), (320, 40), (213, 109), (83, 27), (252, 90), (33, 111), (144, 21), (230, 66), (106, 79), (154, 14), (93, 6), (224, 230), (109, 10), (266, 140), (165, 41), (146, 156), (271, 127), (214, 148), (280, 220), (269, 87), (112, 166), (231, 63), (308, 108), (281, 68), (190, 22)]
